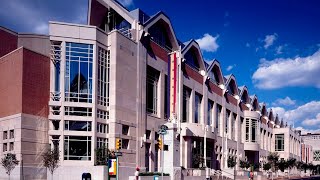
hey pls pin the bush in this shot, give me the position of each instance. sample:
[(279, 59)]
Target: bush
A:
[(231, 161), (267, 166)]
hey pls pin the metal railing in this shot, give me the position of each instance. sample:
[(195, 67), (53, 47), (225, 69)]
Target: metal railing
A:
[(126, 32)]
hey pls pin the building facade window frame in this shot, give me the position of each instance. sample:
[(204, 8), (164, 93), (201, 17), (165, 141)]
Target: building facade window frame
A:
[(186, 104), (78, 72), (80, 145), (197, 108), (152, 94), (103, 88), (279, 142)]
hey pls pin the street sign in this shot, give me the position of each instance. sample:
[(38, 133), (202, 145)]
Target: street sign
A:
[(162, 132), (164, 127)]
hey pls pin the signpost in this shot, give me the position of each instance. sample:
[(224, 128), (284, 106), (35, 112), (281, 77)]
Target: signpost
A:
[(117, 159), (162, 131)]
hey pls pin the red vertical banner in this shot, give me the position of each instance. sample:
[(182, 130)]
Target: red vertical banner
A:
[(173, 83)]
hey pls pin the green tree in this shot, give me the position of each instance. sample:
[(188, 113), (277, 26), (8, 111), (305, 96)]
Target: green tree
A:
[(282, 164), (273, 159), (232, 161), (244, 164), (50, 160), (291, 162), (266, 166), (299, 165), (102, 154), (9, 162)]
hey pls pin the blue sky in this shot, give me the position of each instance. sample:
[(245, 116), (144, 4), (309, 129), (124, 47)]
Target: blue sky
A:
[(271, 46)]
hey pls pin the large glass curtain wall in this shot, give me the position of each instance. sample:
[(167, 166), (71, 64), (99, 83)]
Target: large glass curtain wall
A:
[(78, 75)]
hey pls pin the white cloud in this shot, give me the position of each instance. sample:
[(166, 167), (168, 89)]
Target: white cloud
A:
[(279, 110), (290, 72), (126, 3), (312, 122), (229, 68), (269, 40), (279, 50), (208, 43), (287, 101), (247, 45), (308, 111)]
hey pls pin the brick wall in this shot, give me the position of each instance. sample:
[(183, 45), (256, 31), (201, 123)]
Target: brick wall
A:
[(159, 51), (193, 74), (36, 83), (214, 89), (11, 83), (8, 42), (24, 84)]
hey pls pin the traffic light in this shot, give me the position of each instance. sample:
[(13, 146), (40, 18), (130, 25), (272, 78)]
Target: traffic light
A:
[(159, 143), (118, 143)]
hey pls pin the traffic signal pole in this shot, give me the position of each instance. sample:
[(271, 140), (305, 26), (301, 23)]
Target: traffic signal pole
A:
[(117, 169), (162, 159)]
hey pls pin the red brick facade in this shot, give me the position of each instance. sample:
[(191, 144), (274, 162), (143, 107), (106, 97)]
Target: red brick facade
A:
[(11, 83), (232, 100), (193, 74), (159, 51), (8, 42), (24, 85), (36, 83), (215, 89), (243, 106)]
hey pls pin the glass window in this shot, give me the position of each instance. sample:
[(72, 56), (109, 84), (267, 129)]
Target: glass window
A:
[(192, 59), (11, 147), (247, 130), (186, 104), (77, 148), (11, 133), (233, 130), (125, 143), (254, 130), (210, 112), (102, 114), (227, 120), (218, 115), (166, 97), (214, 76), (125, 129), (160, 36), (56, 60), (197, 153), (103, 77), (152, 90), (77, 111), (197, 113), (279, 142), (77, 125), (78, 72), (101, 142), (102, 128), (5, 147), (5, 134)]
